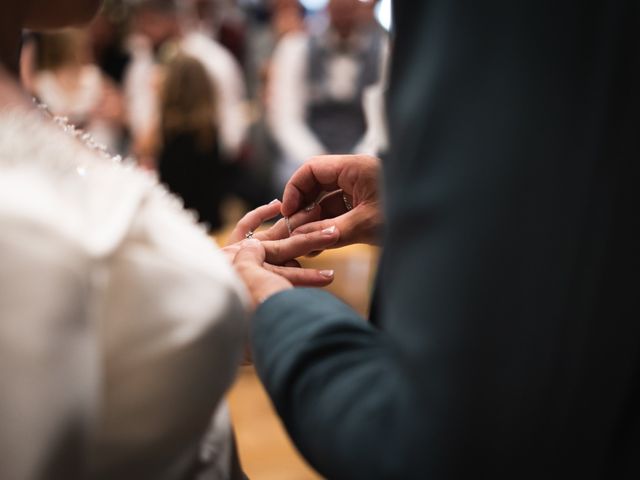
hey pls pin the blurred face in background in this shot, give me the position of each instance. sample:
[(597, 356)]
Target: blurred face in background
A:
[(283, 4), (287, 20), (205, 10), (345, 16), (157, 24), (367, 11), (50, 14)]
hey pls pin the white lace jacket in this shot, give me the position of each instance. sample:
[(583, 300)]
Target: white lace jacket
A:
[(121, 322)]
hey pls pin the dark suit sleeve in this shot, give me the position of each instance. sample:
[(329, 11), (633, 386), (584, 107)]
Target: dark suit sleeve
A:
[(334, 380)]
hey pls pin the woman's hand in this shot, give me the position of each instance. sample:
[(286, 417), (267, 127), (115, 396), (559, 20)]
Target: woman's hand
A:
[(352, 205), (280, 250), (261, 282), (255, 218)]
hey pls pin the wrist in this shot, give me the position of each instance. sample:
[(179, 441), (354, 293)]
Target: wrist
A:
[(268, 293)]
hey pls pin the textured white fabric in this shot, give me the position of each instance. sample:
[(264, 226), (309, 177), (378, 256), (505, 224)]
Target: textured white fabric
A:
[(121, 322)]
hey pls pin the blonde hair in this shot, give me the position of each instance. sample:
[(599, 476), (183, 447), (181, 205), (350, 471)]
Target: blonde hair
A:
[(188, 101)]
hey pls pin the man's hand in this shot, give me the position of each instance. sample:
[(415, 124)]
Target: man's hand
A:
[(255, 218), (353, 181)]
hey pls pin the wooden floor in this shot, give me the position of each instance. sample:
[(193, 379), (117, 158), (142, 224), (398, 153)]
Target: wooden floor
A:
[(265, 450)]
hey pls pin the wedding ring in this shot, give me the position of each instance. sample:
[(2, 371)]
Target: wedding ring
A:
[(288, 224), (249, 235)]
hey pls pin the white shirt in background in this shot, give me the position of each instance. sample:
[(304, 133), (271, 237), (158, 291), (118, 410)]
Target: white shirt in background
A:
[(289, 97)]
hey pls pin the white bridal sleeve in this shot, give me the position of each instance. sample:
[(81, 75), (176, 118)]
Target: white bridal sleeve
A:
[(122, 322), (48, 363), (173, 329)]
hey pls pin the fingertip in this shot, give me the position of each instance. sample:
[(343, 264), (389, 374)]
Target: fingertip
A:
[(325, 277), (274, 207), (331, 233), (327, 273)]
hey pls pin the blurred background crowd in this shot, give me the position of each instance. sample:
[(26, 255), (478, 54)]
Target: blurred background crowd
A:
[(224, 99)]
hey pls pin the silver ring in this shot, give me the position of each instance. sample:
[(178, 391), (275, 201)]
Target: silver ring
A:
[(249, 235), (288, 223), (347, 203)]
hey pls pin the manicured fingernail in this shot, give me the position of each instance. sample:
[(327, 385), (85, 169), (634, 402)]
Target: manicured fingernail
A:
[(330, 230), (273, 201), (251, 242), (310, 207), (327, 273)]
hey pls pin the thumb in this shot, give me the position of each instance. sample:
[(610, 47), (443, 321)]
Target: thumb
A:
[(260, 283), (251, 253)]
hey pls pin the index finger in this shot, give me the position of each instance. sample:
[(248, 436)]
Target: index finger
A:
[(253, 220)]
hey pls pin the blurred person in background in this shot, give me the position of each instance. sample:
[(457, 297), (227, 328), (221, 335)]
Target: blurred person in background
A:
[(222, 20), (288, 19), (190, 162), (324, 89), (284, 18), (72, 86), (122, 322), (158, 23), (268, 20), (227, 24), (107, 32)]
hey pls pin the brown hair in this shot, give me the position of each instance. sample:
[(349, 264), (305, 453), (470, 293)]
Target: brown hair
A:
[(188, 101), (63, 48)]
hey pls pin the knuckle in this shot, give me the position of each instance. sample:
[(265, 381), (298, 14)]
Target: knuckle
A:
[(242, 266), (275, 250), (244, 221)]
